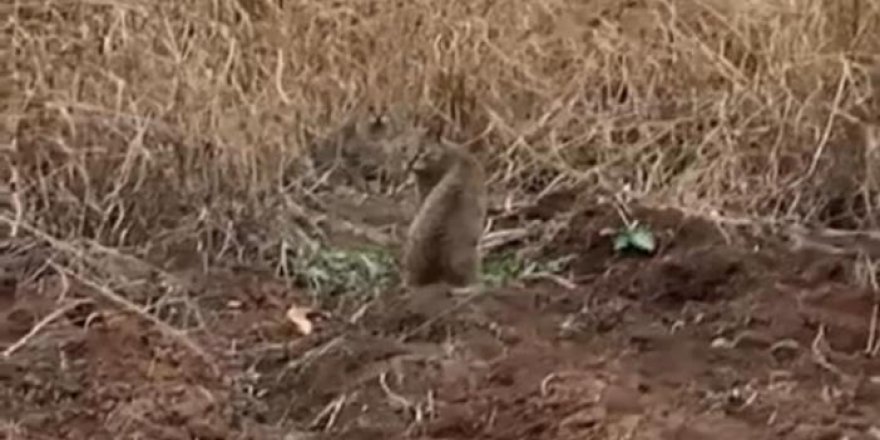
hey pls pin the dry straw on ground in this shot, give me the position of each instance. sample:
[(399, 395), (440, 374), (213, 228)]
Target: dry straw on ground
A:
[(145, 123), (141, 138)]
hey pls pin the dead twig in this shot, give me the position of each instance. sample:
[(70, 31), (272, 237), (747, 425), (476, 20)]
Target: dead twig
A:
[(330, 413), (819, 356), (471, 292), (35, 330), (107, 293), (176, 334), (873, 348), (397, 400), (496, 239)]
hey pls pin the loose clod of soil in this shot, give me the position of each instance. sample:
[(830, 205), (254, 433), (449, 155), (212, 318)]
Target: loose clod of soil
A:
[(711, 338)]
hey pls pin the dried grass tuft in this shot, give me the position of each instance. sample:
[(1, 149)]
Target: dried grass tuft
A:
[(150, 125)]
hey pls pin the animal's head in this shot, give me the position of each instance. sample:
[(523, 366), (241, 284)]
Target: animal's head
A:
[(429, 157)]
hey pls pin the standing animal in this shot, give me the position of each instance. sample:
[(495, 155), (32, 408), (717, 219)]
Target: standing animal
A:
[(442, 242)]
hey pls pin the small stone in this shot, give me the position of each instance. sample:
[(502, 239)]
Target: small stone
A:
[(722, 342)]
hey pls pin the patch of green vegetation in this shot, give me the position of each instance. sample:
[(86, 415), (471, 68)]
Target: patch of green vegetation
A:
[(328, 271), (334, 271), (500, 269)]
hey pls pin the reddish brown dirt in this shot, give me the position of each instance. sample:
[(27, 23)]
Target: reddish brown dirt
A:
[(712, 338)]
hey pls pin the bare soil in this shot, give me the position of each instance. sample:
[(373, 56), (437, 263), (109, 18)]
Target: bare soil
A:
[(717, 336)]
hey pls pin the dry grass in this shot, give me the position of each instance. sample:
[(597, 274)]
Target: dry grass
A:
[(155, 126)]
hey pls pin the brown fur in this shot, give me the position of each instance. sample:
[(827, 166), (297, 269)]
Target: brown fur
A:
[(443, 238), (358, 153), (431, 162)]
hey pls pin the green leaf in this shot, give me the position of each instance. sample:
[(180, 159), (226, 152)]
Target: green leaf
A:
[(642, 239), (635, 238), (621, 241)]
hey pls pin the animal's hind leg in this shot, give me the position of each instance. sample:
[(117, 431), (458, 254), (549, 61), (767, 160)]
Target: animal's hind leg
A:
[(418, 268), (463, 266)]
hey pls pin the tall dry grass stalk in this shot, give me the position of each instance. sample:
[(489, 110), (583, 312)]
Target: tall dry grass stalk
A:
[(150, 123)]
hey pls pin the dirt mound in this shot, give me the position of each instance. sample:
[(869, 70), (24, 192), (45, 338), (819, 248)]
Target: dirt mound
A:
[(712, 337)]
